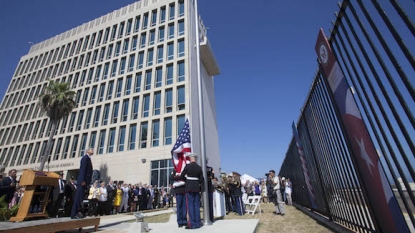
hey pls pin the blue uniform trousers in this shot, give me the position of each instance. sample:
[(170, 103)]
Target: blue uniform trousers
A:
[(79, 198), (193, 208), (240, 209), (181, 209)]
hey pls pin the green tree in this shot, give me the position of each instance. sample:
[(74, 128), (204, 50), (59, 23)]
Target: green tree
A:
[(57, 101)]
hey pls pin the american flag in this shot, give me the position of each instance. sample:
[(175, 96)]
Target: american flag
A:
[(181, 149)]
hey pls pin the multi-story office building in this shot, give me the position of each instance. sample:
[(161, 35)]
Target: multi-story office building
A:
[(135, 74)]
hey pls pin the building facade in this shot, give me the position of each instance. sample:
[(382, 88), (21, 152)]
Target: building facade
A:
[(135, 74)]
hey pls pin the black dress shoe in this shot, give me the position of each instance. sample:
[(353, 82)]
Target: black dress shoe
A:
[(180, 225), (75, 217), (187, 227)]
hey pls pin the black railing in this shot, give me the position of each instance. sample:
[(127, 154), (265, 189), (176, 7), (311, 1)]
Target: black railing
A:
[(374, 43)]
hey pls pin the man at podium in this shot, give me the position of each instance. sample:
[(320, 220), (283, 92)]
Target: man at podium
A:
[(84, 179)]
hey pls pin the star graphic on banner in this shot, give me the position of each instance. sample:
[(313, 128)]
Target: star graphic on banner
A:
[(364, 154)]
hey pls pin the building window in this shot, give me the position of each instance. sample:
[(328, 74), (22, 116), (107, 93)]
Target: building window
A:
[(109, 53), (135, 108), (181, 28), (110, 90), (93, 94), (57, 149), (106, 113), (98, 74), (157, 102), (85, 99), (131, 63), (71, 122), (119, 87), (111, 140), (134, 45), (181, 48), (132, 138), (180, 123), (137, 82), (181, 8), (171, 31), (170, 51), (117, 48), (169, 74), (101, 92), (137, 24), (88, 118), (106, 70), (125, 104), (126, 43), (168, 131), (148, 80), (83, 144), (129, 26), (122, 65), (150, 55), (162, 15), (180, 98), (101, 141), (80, 120), (169, 100), (180, 71), (143, 134), (152, 37), (115, 112), (155, 133), (74, 146), (140, 60), (145, 21), (128, 85), (160, 172), (114, 68), (65, 148), (159, 77), (143, 40), (153, 18), (97, 116), (172, 9), (161, 34), (93, 139), (160, 51), (146, 105), (121, 139)]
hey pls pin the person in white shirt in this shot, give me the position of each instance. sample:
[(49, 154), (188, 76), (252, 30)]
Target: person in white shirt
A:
[(289, 190), (125, 195), (102, 199), (279, 207)]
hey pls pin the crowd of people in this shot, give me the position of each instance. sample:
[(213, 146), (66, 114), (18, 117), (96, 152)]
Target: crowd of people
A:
[(119, 197)]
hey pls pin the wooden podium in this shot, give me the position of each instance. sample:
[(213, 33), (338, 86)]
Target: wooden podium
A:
[(36, 195)]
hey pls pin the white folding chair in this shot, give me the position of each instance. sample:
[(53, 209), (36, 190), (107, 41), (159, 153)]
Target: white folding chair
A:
[(252, 204)]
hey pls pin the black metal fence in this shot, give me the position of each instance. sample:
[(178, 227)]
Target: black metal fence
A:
[(374, 42)]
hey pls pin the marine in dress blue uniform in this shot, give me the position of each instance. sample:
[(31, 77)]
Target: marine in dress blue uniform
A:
[(180, 192), (194, 178), (84, 179)]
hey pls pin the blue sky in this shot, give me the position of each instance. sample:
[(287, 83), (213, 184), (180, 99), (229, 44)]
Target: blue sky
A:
[(265, 50)]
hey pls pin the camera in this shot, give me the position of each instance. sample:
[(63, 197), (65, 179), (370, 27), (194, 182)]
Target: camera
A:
[(266, 174)]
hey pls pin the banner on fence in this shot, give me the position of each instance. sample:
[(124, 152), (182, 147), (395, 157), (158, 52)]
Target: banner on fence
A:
[(382, 201)]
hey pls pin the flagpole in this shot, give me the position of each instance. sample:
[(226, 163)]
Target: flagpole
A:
[(206, 219)]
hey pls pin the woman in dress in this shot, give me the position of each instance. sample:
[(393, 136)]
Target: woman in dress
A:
[(93, 199), (118, 198)]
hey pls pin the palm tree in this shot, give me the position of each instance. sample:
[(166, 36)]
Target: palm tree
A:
[(57, 101)]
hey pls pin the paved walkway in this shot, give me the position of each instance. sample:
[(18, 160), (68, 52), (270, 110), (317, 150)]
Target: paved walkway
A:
[(125, 223)]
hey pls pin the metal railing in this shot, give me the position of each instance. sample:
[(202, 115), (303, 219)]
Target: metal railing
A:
[(374, 42)]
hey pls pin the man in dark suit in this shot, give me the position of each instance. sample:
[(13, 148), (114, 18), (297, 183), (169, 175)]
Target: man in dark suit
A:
[(111, 190), (194, 178), (84, 179), (70, 191), (8, 186), (58, 194)]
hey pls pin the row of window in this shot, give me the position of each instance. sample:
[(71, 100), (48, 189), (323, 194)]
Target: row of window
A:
[(139, 60), (89, 41), (117, 139), (101, 115), (168, 72)]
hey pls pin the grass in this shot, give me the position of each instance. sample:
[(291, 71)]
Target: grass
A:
[(294, 220)]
